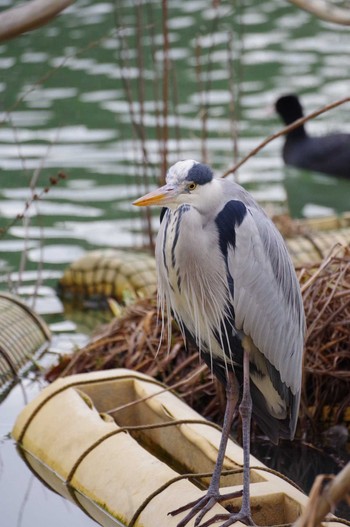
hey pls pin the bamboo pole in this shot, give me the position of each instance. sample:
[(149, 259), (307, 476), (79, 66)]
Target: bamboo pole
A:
[(323, 499)]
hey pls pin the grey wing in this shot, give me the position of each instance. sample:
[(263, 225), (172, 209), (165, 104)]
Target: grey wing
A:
[(267, 299)]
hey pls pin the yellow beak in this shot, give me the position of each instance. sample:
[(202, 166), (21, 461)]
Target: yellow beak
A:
[(161, 196)]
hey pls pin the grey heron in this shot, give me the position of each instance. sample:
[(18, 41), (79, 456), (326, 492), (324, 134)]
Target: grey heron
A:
[(225, 274), (328, 153)]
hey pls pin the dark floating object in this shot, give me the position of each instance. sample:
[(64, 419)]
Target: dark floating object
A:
[(329, 154)]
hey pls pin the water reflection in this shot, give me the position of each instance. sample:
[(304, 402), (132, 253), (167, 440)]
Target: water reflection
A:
[(28, 501), (313, 194), (9, 209), (56, 254)]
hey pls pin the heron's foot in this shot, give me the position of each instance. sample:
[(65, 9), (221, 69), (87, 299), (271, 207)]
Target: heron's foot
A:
[(243, 516), (202, 506)]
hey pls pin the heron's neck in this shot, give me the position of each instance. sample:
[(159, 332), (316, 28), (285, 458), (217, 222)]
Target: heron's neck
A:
[(211, 200)]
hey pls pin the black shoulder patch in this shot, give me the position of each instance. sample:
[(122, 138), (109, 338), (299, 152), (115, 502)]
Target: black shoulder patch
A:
[(228, 218), (200, 174)]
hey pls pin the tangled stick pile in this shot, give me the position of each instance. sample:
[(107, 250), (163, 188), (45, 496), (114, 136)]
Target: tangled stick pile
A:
[(326, 296), (134, 341)]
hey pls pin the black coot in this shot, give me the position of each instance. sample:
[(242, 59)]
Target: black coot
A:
[(329, 154)]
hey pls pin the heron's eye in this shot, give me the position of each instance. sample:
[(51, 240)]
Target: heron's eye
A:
[(191, 186)]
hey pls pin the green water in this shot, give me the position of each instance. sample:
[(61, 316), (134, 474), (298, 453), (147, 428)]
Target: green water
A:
[(70, 97)]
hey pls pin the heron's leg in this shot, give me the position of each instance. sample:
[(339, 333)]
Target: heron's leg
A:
[(203, 505), (232, 394), (245, 410)]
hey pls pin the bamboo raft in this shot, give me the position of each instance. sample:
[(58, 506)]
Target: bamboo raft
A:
[(127, 451)]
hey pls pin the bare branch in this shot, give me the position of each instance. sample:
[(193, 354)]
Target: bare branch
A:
[(325, 10), (28, 16)]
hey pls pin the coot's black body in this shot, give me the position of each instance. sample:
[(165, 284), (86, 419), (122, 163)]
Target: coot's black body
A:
[(329, 154)]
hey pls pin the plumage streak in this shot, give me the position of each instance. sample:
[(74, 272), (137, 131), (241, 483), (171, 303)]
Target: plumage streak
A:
[(205, 312), (165, 216), (179, 212)]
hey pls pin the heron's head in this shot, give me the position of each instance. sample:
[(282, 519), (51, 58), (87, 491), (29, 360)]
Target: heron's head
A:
[(186, 182)]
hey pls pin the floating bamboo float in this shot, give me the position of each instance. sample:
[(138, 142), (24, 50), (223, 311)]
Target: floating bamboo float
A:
[(110, 273), (310, 240), (24, 336), (120, 446)]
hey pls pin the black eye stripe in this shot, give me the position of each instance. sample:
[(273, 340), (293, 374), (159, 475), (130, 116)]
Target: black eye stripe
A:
[(200, 174)]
